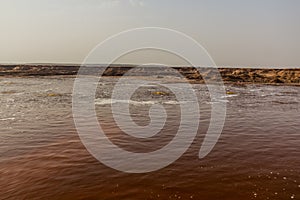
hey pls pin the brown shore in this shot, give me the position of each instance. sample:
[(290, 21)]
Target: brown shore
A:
[(229, 75)]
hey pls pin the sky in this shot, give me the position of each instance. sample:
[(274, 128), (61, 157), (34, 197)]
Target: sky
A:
[(234, 32)]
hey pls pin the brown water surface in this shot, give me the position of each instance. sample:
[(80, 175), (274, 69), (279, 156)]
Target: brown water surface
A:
[(42, 157)]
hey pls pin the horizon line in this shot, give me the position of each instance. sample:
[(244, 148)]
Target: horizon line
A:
[(137, 64)]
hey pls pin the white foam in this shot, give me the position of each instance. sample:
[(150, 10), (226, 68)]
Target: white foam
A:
[(7, 119), (230, 95), (150, 102), (113, 101)]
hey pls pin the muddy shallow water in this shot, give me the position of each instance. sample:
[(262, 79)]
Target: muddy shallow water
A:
[(42, 157)]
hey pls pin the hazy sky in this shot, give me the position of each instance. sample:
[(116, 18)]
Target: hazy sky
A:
[(235, 32)]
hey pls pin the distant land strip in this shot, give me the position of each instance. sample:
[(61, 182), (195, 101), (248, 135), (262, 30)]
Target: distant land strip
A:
[(229, 74)]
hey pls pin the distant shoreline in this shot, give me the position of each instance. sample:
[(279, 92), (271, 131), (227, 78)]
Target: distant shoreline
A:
[(229, 75)]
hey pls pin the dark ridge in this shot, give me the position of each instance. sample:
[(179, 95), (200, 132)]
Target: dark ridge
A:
[(234, 75)]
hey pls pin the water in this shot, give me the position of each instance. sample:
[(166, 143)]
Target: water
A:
[(41, 156)]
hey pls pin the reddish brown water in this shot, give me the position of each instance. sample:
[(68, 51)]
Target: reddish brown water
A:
[(42, 157)]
